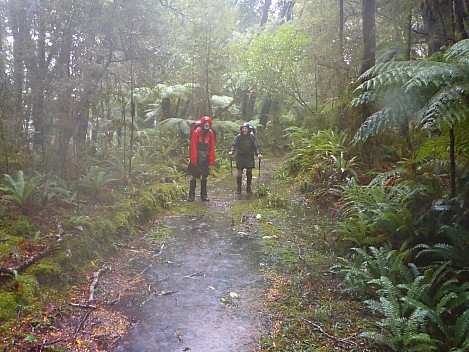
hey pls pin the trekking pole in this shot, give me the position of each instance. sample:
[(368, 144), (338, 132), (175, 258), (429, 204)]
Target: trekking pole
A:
[(231, 165), (260, 168)]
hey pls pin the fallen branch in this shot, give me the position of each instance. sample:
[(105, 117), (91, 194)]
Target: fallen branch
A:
[(83, 305), (14, 270), (93, 285), (198, 273), (318, 327), (154, 294), (149, 266), (78, 328)]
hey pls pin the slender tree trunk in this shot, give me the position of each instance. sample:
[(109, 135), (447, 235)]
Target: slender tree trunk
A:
[(369, 34), (341, 28), (460, 15), (18, 31), (453, 162), (409, 33), (265, 12), (37, 68), (265, 112)]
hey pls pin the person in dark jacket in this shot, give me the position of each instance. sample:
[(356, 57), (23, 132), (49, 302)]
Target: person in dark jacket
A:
[(202, 157), (245, 147)]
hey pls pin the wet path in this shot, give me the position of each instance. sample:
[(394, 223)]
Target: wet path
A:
[(207, 284)]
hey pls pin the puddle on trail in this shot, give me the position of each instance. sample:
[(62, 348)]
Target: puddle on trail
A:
[(207, 285)]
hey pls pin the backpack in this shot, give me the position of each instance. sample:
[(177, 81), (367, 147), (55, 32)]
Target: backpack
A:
[(194, 125), (252, 129)]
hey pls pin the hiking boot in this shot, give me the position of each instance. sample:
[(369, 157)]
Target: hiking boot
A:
[(239, 181), (192, 185), (248, 182), (203, 190)]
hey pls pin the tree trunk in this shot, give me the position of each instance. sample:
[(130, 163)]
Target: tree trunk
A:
[(19, 32), (265, 112), (409, 33), (341, 28), (437, 18), (460, 15), (369, 34), (287, 10), (37, 68), (265, 12), (453, 162)]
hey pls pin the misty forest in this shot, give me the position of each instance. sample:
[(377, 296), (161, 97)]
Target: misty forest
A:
[(363, 105)]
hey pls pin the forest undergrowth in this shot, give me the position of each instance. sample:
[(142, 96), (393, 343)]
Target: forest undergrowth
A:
[(304, 306)]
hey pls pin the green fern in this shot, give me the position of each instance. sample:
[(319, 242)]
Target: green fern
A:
[(95, 180), (360, 273), (454, 250), (445, 301), (425, 90), (20, 190), (403, 324), (398, 330)]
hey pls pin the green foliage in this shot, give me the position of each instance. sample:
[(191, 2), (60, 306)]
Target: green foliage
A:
[(275, 200), (425, 92), (276, 60), (452, 246), (372, 264), (8, 306), (20, 190), (444, 293), (356, 229), (47, 272), (56, 191), (21, 226), (388, 213), (401, 328), (318, 161), (94, 182), (27, 288)]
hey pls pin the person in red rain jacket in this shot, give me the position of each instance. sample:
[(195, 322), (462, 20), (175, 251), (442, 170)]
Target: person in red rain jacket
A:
[(202, 157)]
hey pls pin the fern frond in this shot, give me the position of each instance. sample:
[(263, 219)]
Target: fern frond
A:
[(435, 76), (461, 329), (449, 105), (404, 87), (388, 118), (459, 52), (381, 178)]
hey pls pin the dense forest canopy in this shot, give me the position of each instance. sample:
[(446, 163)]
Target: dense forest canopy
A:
[(72, 70)]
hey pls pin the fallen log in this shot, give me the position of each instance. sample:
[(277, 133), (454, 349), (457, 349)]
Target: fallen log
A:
[(15, 269)]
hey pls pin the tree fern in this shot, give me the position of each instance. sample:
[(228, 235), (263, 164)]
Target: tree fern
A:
[(414, 86), (429, 93)]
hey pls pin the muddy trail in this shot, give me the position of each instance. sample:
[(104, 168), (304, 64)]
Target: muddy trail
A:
[(207, 285)]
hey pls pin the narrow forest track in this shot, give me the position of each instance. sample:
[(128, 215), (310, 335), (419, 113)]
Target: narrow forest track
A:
[(206, 289)]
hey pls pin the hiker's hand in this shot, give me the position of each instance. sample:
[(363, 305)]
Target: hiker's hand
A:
[(259, 156), (230, 153)]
